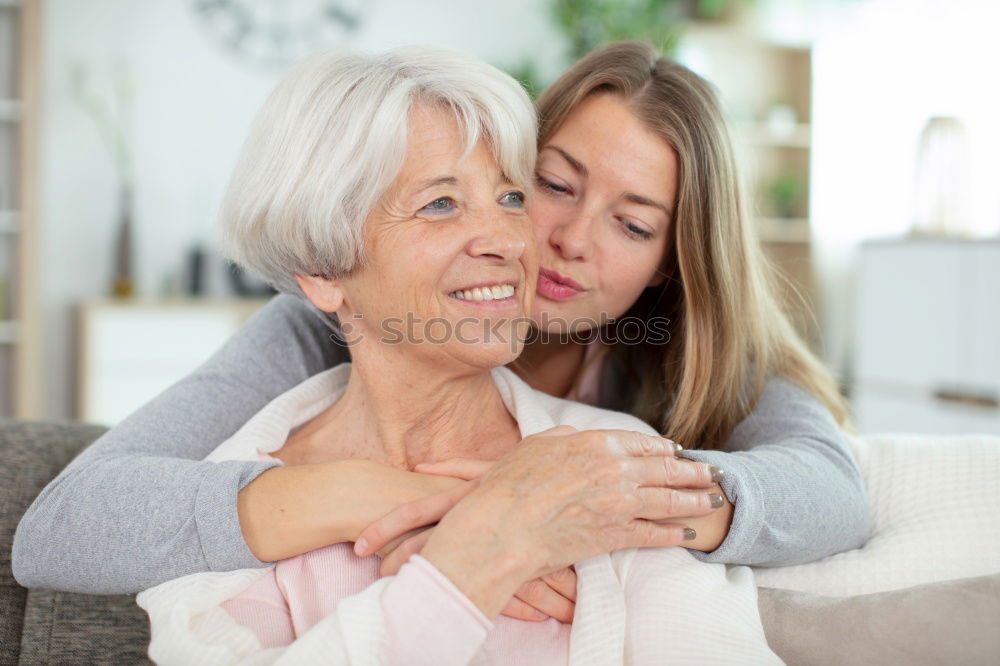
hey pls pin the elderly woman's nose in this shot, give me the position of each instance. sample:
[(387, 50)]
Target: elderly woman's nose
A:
[(507, 246), (501, 237)]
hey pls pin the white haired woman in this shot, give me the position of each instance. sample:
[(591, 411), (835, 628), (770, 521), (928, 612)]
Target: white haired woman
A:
[(391, 190)]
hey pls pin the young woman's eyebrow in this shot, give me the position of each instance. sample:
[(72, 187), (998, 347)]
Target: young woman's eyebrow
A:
[(576, 164), (643, 201)]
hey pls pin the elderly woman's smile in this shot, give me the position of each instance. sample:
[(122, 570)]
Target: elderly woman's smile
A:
[(488, 294)]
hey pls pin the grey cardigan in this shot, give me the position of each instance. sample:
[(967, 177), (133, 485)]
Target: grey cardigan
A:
[(140, 506)]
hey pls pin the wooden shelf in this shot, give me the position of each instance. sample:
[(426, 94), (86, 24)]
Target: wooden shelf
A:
[(21, 332), (766, 92)]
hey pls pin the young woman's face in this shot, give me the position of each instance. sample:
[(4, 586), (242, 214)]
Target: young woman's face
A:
[(602, 211)]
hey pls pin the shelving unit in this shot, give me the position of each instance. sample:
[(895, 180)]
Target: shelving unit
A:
[(766, 92), (20, 367)]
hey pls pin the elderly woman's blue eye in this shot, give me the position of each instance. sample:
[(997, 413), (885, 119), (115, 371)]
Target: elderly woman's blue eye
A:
[(440, 205), (515, 199)]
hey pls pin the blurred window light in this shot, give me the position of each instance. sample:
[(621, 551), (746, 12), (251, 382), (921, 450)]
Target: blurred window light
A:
[(878, 79)]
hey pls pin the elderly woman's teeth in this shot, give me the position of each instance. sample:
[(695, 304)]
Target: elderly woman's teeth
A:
[(485, 293)]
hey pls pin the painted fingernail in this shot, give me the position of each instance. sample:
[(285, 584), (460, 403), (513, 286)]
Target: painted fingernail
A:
[(716, 500), (689, 534), (717, 473), (677, 447), (360, 547)]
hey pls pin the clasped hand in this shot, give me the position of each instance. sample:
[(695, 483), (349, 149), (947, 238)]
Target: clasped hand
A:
[(636, 481)]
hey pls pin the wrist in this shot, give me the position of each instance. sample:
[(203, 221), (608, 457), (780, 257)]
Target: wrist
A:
[(377, 489), (484, 565), (711, 529), (489, 582)]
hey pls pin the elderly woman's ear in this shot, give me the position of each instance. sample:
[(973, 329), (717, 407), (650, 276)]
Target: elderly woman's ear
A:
[(325, 293)]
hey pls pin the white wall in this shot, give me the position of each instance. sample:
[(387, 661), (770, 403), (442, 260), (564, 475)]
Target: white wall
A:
[(193, 103), (877, 80)]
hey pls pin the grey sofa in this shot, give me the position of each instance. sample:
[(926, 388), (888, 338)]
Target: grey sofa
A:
[(952, 622), (43, 626)]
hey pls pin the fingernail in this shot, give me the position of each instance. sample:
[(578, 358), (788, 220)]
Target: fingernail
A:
[(716, 500), (689, 534), (539, 615), (717, 473), (677, 447), (360, 547)]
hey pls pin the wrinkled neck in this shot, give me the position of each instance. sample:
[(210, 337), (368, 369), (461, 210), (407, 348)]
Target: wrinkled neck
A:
[(414, 412)]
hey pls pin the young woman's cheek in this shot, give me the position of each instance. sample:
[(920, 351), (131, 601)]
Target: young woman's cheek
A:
[(626, 271)]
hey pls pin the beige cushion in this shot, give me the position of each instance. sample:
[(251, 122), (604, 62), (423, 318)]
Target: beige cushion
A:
[(953, 622)]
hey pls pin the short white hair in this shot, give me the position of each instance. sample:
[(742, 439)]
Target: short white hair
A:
[(331, 138)]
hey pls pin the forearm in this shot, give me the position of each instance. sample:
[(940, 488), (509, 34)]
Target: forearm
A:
[(120, 525), (288, 511), (796, 489), (790, 506), (139, 506)]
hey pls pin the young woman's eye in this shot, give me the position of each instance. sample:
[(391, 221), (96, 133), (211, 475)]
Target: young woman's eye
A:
[(513, 199), (635, 231), (550, 186), (440, 205)]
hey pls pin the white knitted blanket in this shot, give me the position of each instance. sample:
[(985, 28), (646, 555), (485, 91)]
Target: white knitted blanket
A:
[(648, 606), (934, 515)]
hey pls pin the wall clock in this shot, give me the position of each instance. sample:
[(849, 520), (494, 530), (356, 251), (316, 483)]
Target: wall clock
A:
[(279, 32)]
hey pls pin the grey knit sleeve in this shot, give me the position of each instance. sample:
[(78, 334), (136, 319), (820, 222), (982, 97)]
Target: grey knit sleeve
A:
[(797, 491), (140, 506)]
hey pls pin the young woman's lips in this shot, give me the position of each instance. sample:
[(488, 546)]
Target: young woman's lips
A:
[(556, 286)]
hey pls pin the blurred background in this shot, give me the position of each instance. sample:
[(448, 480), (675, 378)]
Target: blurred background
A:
[(867, 130)]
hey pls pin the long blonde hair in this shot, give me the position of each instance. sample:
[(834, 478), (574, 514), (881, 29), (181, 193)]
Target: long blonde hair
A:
[(728, 333)]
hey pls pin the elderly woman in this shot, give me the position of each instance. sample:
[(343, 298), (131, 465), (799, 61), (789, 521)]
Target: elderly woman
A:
[(390, 191)]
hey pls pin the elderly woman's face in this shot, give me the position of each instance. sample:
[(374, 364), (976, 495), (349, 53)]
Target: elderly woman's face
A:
[(450, 260)]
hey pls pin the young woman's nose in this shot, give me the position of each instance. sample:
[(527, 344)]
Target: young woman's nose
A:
[(573, 237)]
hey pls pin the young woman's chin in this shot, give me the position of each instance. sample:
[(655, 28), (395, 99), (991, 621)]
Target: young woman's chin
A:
[(564, 317)]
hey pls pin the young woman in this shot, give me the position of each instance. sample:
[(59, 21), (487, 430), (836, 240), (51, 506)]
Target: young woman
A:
[(638, 215)]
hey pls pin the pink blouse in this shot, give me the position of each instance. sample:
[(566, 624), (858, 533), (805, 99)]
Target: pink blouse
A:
[(428, 619)]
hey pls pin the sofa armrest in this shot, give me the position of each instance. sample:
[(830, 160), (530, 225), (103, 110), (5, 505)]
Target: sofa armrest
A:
[(33, 453)]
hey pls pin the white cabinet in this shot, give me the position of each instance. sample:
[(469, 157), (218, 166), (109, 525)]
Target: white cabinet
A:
[(927, 337), (130, 351), (985, 315)]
